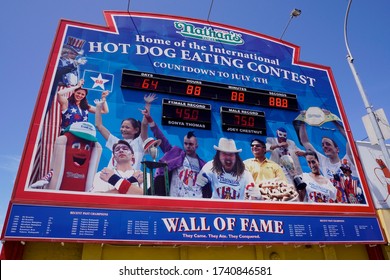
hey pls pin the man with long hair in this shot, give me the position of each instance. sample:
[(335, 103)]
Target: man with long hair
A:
[(225, 177)]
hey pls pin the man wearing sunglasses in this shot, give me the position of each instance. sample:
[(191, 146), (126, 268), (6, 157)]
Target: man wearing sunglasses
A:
[(263, 169), (269, 176)]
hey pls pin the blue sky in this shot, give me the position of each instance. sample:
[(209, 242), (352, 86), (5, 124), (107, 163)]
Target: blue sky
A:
[(28, 28)]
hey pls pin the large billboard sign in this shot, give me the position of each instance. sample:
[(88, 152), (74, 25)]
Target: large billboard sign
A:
[(175, 130), (377, 172)]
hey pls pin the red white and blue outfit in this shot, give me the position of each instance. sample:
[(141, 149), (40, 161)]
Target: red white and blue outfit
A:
[(71, 115)]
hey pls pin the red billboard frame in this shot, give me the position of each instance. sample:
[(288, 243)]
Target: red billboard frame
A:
[(21, 196)]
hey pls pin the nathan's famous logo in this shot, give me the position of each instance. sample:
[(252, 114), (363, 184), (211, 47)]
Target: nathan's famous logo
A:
[(208, 33)]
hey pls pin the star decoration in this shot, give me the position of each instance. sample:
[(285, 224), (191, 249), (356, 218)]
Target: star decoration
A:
[(99, 81)]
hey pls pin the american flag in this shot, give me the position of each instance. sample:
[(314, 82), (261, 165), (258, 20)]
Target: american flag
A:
[(50, 131)]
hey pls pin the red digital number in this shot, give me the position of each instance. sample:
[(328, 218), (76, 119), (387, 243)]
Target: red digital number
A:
[(179, 112), (149, 84), (237, 96), (278, 102), (251, 121), (242, 120), (187, 114), (193, 90), (237, 119)]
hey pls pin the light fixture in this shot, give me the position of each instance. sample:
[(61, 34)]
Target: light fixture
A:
[(294, 13)]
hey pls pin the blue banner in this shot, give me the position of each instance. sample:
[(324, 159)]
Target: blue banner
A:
[(69, 223)]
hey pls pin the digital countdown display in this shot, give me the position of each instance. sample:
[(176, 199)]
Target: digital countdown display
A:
[(208, 90), (186, 114), (243, 121)]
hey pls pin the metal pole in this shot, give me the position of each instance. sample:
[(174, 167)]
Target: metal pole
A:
[(284, 31), (211, 6), (372, 117)]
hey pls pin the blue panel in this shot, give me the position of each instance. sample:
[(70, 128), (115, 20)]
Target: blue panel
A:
[(65, 223)]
